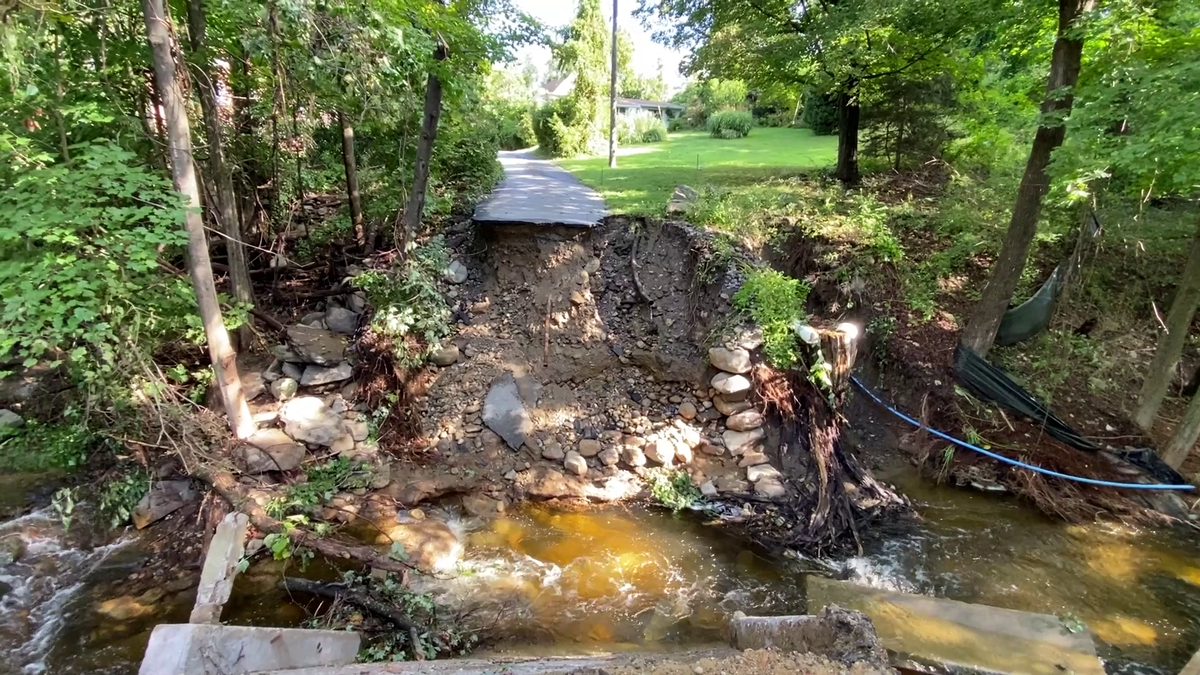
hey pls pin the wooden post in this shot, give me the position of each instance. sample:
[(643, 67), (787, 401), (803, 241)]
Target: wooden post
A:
[(612, 97)]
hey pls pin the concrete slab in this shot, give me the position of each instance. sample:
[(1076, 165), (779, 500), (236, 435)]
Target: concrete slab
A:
[(979, 637), (206, 649), (536, 191), (225, 550)]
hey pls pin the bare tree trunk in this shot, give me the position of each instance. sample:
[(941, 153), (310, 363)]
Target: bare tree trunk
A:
[(59, 123), (981, 329), (299, 150), (279, 106), (612, 96), (1170, 344), (351, 167), (222, 180), (415, 206), (848, 121), (224, 358), (1186, 434)]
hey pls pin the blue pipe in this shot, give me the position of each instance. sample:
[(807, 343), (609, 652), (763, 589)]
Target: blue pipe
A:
[(1013, 462)]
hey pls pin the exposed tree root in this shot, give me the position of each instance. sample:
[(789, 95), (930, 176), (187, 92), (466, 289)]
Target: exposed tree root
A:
[(832, 498), (380, 377), (346, 593)]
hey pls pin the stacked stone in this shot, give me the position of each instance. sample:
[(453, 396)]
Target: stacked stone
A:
[(744, 435)]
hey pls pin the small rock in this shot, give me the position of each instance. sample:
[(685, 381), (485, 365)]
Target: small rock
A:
[(284, 388), (575, 463), (683, 453), (708, 489), (456, 272), (709, 448), (9, 418), (253, 386), (416, 514), (307, 420), (312, 318), (732, 387), (660, 452), (123, 608), (315, 376), (770, 488), (589, 447), (687, 410), (282, 457), (752, 459), (445, 356), (609, 456), (341, 320), (317, 346), (747, 420), (357, 302), (553, 451), (735, 361), (761, 472), (635, 441), (633, 456), (292, 370), (511, 475), (739, 442), (12, 548), (358, 429)]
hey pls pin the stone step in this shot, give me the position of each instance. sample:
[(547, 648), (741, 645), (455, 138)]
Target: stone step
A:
[(939, 631)]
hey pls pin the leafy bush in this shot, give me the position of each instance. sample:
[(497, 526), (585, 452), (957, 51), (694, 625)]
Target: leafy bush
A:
[(645, 128), (774, 301), (516, 127), (564, 128), (678, 124), (730, 124), (820, 113), (80, 247), (464, 158), (121, 495), (409, 308), (673, 489), (36, 446)]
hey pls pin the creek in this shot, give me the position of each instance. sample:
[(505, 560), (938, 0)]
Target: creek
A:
[(635, 578)]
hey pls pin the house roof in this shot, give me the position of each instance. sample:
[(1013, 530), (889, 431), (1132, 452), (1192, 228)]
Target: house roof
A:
[(553, 84), (643, 103)]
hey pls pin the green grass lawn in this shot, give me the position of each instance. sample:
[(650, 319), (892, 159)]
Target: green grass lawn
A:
[(646, 175)]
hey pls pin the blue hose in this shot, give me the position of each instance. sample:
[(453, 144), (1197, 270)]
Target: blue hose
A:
[(1013, 462)]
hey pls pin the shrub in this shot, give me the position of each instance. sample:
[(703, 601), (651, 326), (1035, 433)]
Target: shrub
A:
[(563, 127), (646, 128), (678, 124), (774, 301), (516, 127), (820, 113), (730, 124), (409, 308), (80, 247)]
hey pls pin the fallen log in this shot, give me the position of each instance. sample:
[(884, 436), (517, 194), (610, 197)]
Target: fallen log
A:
[(233, 492)]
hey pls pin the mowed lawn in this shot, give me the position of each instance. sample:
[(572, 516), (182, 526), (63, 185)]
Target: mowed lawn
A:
[(646, 175)]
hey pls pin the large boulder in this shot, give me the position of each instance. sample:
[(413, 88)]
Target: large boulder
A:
[(282, 457), (341, 320), (430, 544), (747, 420), (504, 412), (315, 345), (9, 418), (315, 376), (306, 419), (740, 442), (732, 387)]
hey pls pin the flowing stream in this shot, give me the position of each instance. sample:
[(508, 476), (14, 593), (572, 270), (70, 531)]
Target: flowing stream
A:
[(567, 582)]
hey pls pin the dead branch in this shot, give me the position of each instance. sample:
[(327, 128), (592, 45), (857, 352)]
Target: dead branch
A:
[(637, 280), (354, 596)]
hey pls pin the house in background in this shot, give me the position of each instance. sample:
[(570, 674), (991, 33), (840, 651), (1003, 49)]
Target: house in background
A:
[(631, 108)]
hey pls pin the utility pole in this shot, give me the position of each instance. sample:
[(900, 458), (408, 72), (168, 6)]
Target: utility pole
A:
[(612, 98)]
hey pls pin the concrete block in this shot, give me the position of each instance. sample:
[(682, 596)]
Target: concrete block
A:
[(961, 635), (206, 649), (837, 634), (220, 567)]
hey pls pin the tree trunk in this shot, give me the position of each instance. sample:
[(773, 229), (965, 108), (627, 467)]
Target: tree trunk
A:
[(1170, 344), (848, 117), (612, 96), (429, 125), (351, 167), (179, 143), (222, 180), (981, 329), (1186, 434)]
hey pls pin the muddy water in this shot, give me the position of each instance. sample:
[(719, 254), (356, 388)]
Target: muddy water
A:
[(558, 582)]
